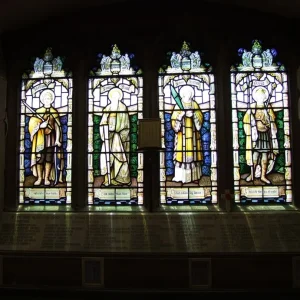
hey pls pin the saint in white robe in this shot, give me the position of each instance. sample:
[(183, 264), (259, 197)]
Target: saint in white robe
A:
[(114, 157)]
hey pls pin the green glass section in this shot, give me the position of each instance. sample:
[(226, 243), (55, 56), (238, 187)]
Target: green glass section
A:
[(279, 165), (133, 145), (133, 161), (280, 160), (244, 168), (97, 145)]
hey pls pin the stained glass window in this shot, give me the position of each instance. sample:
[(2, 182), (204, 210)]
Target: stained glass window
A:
[(45, 158), (115, 168), (188, 164), (261, 128)]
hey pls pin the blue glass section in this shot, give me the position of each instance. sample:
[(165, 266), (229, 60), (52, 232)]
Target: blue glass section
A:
[(245, 200), (64, 129), (132, 201), (169, 143), (205, 140), (172, 201), (27, 144), (61, 201)]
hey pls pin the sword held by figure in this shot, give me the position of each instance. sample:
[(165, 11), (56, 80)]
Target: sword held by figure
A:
[(36, 114)]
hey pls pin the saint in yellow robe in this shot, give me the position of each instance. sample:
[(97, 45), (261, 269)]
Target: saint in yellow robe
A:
[(43, 138), (188, 151)]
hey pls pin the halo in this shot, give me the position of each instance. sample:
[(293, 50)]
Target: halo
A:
[(256, 91), (187, 88), (43, 93), (113, 91)]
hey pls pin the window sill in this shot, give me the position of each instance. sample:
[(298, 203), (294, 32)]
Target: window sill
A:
[(44, 208), (236, 208), (265, 208), (163, 208), (118, 209), (189, 208), (69, 208)]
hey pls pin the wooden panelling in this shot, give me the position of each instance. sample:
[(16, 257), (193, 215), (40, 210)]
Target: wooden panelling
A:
[(146, 273), (252, 272), (161, 272), (42, 271)]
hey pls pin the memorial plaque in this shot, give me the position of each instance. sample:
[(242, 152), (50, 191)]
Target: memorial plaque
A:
[(151, 232), (149, 133), (296, 272), (93, 271), (200, 273), (1, 270)]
